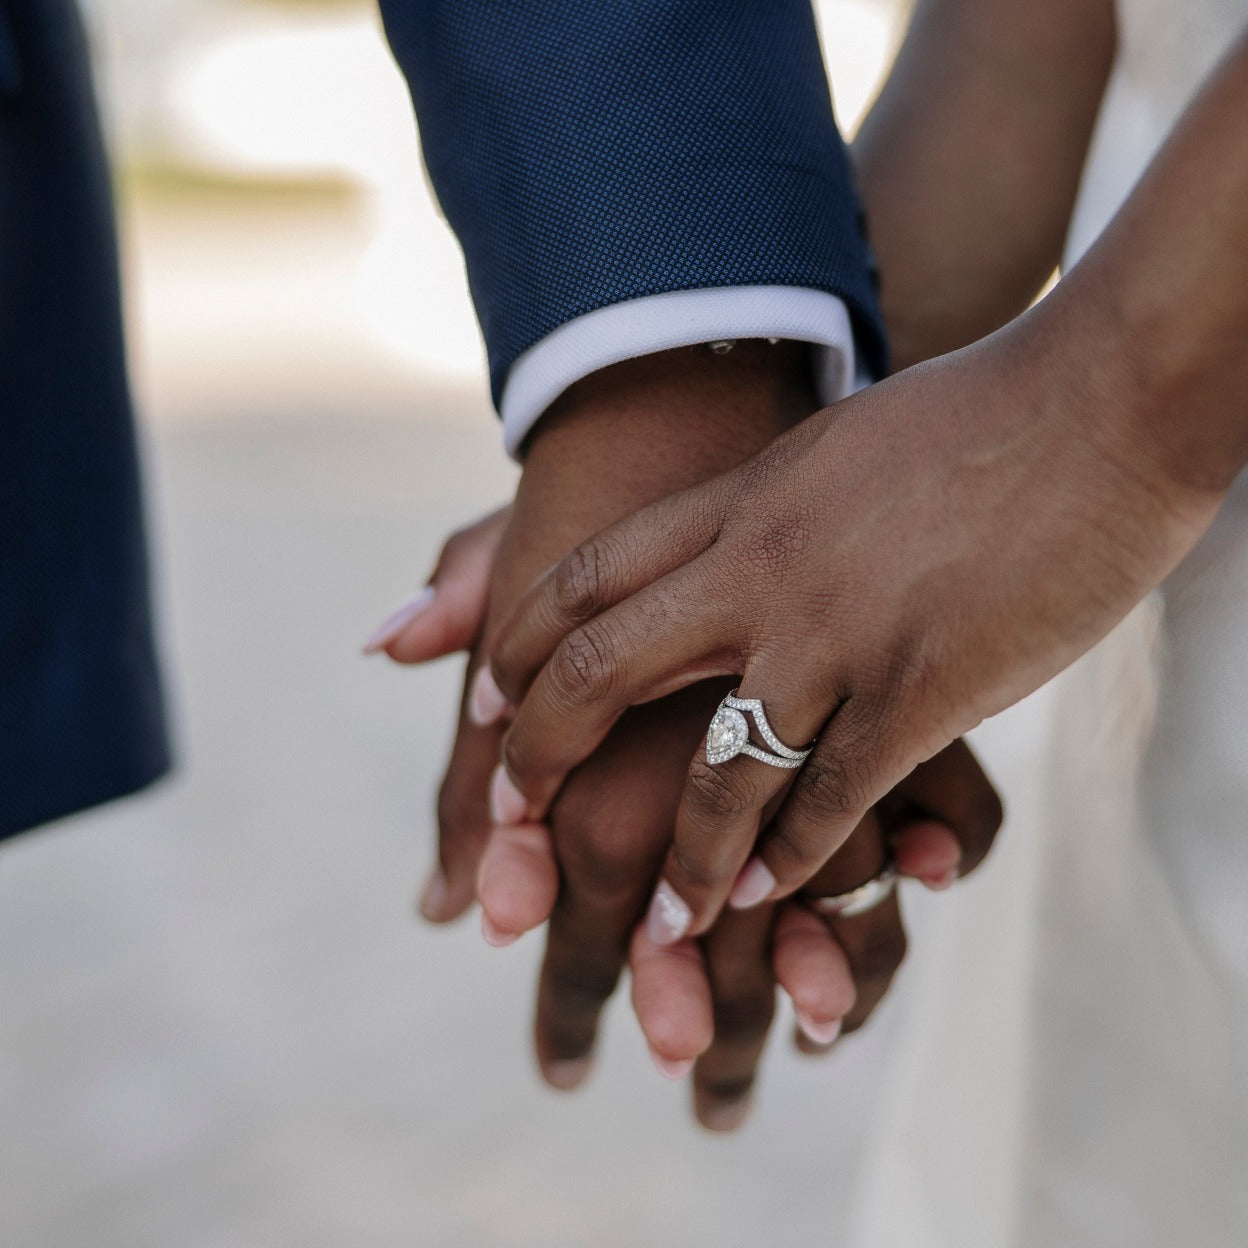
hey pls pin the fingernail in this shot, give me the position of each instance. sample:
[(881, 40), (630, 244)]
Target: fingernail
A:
[(753, 885), (726, 1117), (398, 619), (669, 917), (670, 1069), (820, 1033), (486, 702), (507, 804), (494, 935), (938, 883), (567, 1075), (433, 895)]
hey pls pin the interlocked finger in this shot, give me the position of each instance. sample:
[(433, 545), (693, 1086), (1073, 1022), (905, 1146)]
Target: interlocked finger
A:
[(727, 791), (744, 999), (665, 638)]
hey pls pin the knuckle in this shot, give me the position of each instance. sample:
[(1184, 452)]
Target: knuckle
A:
[(516, 756), (877, 958), (743, 1019), (696, 875), (603, 865), (719, 792), (581, 581), (827, 786), (583, 666), (578, 987), (799, 853), (780, 540), (727, 1089)]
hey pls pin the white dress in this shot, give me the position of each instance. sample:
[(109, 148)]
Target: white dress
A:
[(1073, 1067)]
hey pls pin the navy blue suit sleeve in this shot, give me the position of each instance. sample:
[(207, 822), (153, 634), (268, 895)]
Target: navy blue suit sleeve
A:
[(589, 152)]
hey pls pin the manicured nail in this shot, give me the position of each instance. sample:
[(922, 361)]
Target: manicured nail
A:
[(820, 1033), (433, 895), (507, 804), (486, 703), (938, 883), (669, 1069), (568, 1075), (753, 885), (726, 1117), (494, 935), (669, 917), (399, 619)]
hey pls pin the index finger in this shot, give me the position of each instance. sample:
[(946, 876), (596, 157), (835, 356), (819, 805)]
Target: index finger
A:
[(663, 639), (597, 575)]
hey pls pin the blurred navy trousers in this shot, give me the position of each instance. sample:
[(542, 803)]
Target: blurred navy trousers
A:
[(586, 152), (81, 714)]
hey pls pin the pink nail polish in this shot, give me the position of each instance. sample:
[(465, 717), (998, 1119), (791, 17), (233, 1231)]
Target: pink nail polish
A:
[(669, 1069), (725, 1117), (753, 885), (433, 895), (668, 918), (569, 1074), (946, 879), (820, 1033), (494, 935), (398, 620), (486, 703), (507, 804)]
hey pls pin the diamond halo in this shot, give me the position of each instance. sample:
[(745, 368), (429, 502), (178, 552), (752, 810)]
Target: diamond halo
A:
[(726, 736)]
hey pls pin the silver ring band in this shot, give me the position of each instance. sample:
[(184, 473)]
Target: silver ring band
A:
[(861, 899), (729, 735)]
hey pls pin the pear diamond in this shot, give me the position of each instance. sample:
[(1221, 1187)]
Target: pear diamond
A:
[(726, 735)]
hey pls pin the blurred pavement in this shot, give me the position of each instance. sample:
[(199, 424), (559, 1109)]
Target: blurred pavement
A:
[(220, 1025)]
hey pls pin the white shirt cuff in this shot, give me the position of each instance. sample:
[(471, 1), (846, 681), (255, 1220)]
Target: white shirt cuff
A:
[(677, 318)]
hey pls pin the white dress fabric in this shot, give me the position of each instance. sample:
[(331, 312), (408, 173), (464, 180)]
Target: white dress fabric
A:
[(1073, 1064)]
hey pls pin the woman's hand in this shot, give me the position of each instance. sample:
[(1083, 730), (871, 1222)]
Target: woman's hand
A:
[(882, 577), (708, 1004)]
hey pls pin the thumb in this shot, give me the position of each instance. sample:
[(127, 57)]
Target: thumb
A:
[(447, 615)]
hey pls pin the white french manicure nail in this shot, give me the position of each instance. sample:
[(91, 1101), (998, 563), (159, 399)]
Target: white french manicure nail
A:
[(669, 917), (494, 935), (725, 1117), (670, 1069), (507, 804), (820, 1033), (753, 885), (433, 895), (486, 702), (399, 619), (569, 1074)]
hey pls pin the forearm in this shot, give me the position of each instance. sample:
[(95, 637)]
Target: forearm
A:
[(1160, 303), (970, 160)]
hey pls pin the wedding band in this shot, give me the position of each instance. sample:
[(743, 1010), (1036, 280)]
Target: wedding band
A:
[(729, 735), (861, 899)]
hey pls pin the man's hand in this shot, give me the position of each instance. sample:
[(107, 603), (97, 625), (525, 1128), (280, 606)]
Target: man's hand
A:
[(613, 821)]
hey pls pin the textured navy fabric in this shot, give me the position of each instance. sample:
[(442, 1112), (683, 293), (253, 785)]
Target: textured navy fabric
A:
[(10, 66), (81, 715), (590, 152)]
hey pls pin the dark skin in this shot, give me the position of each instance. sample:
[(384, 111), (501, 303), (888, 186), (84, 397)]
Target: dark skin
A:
[(610, 826), (969, 164), (1039, 483)]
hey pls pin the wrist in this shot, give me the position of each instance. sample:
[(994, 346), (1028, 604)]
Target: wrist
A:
[(637, 431), (644, 428), (1155, 401)]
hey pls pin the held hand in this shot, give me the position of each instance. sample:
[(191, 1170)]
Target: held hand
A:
[(883, 577), (713, 1002)]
